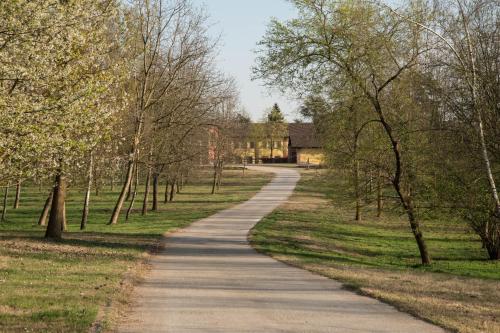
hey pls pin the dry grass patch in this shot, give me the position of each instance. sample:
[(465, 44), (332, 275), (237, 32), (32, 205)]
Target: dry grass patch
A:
[(461, 304), (305, 202)]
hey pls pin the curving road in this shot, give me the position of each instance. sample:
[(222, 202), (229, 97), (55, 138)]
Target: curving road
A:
[(208, 279)]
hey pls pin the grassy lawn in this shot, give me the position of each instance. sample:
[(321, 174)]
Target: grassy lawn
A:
[(379, 257), (65, 286)]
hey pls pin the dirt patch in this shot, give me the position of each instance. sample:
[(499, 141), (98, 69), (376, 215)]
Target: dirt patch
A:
[(12, 311)]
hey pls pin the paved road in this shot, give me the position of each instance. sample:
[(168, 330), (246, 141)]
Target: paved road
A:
[(208, 279)]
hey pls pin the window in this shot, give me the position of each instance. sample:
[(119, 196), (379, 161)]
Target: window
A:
[(251, 145)]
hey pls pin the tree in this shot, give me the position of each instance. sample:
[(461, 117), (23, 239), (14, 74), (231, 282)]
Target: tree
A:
[(350, 42), (223, 135), (459, 44), (275, 114), (85, 214), (94, 87), (275, 127), (56, 82), (169, 41), (466, 66), (242, 135)]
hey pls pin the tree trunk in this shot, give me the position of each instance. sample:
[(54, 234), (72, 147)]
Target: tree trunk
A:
[(490, 236), (492, 244), (134, 193), (166, 191), (356, 191), (5, 196), (379, 195), (155, 192), (370, 182), (57, 215), (123, 193), (18, 195), (494, 252), (46, 208), (146, 193), (487, 165), (493, 248), (129, 191), (214, 183), (181, 183), (355, 161), (64, 226), (85, 213), (419, 237), (406, 201), (368, 186), (219, 178), (172, 189)]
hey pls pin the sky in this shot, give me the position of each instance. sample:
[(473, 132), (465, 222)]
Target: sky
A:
[(241, 24)]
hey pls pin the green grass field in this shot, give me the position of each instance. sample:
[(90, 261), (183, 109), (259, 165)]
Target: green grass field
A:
[(379, 256), (64, 286)]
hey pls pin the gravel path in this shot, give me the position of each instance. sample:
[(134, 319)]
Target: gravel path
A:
[(208, 279)]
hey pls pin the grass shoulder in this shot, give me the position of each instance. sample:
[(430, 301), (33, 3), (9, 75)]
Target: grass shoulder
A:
[(378, 257), (64, 286)]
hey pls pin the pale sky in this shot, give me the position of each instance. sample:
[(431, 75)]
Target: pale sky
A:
[(241, 24)]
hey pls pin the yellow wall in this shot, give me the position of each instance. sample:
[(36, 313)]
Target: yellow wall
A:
[(261, 151), (315, 156), (266, 152)]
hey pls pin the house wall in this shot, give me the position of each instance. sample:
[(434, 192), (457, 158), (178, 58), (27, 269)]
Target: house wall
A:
[(257, 150), (314, 155)]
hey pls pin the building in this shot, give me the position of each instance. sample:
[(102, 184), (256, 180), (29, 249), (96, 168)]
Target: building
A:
[(288, 143), (304, 146)]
